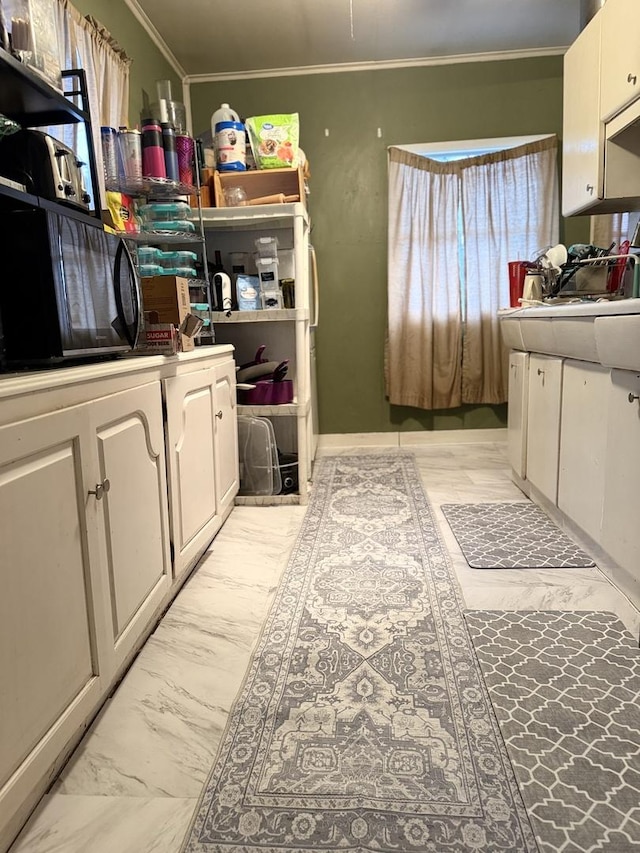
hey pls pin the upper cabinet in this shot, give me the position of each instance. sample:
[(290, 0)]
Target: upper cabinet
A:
[(601, 126), (583, 164), (620, 81)]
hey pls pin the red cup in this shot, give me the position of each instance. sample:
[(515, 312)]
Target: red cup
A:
[(517, 273)]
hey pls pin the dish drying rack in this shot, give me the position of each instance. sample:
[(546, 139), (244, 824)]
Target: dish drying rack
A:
[(613, 280)]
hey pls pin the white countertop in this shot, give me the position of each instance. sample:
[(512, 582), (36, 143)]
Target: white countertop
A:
[(32, 381), (575, 309)]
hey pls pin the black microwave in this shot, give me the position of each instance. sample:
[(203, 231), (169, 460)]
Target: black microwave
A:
[(69, 290)]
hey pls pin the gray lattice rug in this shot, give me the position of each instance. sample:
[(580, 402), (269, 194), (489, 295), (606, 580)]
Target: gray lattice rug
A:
[(512, 536), (363, 723), (566, 689)]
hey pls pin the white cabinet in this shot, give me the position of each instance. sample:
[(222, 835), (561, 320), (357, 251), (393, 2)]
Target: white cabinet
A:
[(583, 132), (202, 456), (87, 571), (286, 332), (84, 523), (50, 676), (543, 423), (226, 437), (517, 412), (601, 123), (585, 395), (620, 82), (620, 528), (133, 518)]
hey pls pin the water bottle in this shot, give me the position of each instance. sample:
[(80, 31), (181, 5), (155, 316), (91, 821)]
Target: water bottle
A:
[(170, 152), (229, 139)]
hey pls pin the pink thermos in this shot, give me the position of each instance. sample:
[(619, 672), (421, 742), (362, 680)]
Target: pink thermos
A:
[(153, 165)]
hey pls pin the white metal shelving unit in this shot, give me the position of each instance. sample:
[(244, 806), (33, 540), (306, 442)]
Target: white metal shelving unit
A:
[(287, 332)]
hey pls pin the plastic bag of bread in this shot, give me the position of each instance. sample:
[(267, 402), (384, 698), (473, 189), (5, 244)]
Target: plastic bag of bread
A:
[(275, 140)]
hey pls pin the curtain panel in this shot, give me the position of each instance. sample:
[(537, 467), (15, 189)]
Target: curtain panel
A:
[(85, 44), (453, 228)]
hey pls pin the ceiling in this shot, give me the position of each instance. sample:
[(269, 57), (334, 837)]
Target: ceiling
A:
[(237, 38)]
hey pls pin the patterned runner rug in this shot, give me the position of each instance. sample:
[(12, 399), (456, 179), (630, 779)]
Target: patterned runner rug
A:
[(512, 536), (566, 689), (363, 722)]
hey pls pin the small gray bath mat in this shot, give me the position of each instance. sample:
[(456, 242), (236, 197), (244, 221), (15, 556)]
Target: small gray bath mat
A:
[(512, 536), (565, 687)]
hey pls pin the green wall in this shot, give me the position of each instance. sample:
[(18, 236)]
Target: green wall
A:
[(348, 201), (148, 63)]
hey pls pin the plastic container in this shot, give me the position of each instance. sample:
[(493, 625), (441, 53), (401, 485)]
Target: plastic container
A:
[(147, 270), (268, 272), (177, 259), (230, 146), (267, 247), (181, 225), (149, 255), (164, 211), (223, 113), (183, 272)]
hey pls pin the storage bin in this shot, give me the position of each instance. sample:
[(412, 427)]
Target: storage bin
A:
[(164, 211)]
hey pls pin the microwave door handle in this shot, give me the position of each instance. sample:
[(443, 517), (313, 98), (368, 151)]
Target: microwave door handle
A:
[(130, 333)]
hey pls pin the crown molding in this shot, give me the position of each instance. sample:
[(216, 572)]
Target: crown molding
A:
[(346, 67), (143, 19)]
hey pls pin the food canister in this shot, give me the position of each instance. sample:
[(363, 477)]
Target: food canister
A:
[(230, 146)]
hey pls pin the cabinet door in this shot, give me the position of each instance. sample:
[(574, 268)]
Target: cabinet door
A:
[(620, 528), (226, 436), (134, 523), (585, 392), (620, 81), (543, 424), (517, 412), (583, 132), (50, 676), (191, 462)]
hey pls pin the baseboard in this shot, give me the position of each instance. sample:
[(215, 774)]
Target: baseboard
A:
[(411, 439), (452, 436)]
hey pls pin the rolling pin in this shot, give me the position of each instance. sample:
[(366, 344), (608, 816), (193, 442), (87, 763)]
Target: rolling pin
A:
[(277, 198)]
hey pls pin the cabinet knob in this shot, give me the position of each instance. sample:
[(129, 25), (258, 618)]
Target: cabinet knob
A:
[(631, 78), (219, 414), (101, 489), (590, 189), (540, 372), (632, 397)]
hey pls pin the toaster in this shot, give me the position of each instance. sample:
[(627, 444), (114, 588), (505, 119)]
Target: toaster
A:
[(47, 167)]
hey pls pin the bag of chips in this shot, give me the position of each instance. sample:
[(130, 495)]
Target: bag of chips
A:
[(275, 140)]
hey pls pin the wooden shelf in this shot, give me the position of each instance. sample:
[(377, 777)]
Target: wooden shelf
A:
[(260, 183)]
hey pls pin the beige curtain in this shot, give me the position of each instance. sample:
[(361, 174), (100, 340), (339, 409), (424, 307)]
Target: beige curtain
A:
[(509, 212), (611, 228), (85, 44), (453, 227), (423, 367)]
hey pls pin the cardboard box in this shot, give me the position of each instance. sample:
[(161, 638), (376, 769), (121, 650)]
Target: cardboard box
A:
[(166, 303)]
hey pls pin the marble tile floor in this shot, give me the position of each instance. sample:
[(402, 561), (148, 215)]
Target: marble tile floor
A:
[(134, 781)]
